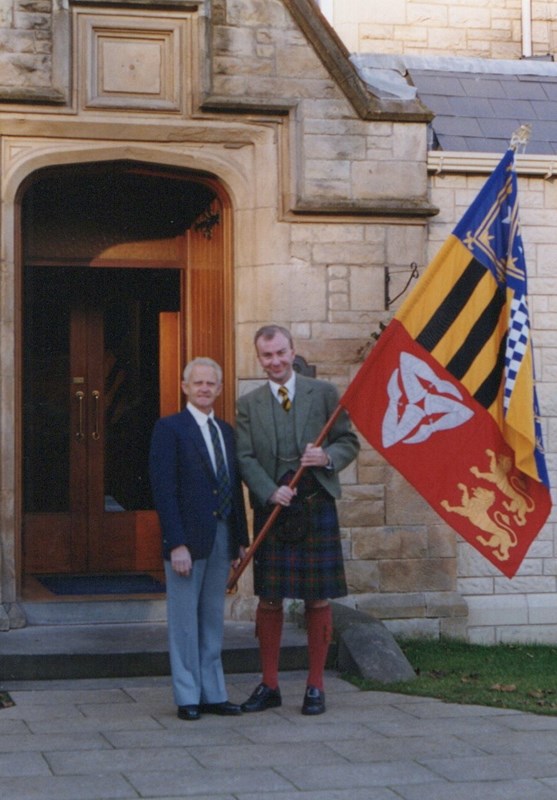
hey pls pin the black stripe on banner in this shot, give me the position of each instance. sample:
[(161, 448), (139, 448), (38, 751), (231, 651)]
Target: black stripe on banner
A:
[(487, 392), (449, 309), (479, 334)]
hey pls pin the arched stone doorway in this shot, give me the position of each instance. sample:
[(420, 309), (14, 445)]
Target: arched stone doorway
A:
[(126, 273)]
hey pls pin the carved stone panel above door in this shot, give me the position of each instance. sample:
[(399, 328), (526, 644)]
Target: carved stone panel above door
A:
[(134, 61)]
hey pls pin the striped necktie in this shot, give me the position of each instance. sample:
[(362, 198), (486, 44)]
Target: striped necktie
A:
[(224, 506), (285, 400)]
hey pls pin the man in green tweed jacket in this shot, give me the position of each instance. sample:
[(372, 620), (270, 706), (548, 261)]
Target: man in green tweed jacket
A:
[(276, 427)]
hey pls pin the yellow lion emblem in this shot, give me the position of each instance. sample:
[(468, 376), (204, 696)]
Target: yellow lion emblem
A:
[(519, 503), (501, 538)]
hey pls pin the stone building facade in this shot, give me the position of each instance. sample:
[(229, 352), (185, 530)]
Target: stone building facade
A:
[(228, 158), (496, 29), (489, 39)]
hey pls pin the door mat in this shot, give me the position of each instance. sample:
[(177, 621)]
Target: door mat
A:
[(141, 583)]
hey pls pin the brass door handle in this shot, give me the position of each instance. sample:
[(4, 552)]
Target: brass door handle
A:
[(97, 402), (79, 435)]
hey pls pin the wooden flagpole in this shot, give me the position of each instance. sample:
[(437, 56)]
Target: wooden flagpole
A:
[(250, 552)]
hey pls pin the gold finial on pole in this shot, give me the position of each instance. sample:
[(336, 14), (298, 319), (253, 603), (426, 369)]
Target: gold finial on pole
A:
[(520, 137)]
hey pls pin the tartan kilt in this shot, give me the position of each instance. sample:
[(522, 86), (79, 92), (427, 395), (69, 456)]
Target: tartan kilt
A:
[(312, 569)]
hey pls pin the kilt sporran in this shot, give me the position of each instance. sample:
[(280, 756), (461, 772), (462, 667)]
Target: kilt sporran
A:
[(305, 562)]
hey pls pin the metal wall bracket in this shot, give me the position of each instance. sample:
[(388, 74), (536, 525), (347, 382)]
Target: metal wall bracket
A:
[(413, 274)]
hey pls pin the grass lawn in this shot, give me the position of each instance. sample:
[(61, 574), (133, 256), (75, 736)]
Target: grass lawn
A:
[(504, 675)]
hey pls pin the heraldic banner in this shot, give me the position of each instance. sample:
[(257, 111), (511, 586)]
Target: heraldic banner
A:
[(447, 394)]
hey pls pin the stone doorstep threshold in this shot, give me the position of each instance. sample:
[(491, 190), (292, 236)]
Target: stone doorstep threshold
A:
[(46, 652), (362, 645)]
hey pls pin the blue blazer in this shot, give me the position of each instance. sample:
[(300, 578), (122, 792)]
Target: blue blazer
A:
[(184, 486)]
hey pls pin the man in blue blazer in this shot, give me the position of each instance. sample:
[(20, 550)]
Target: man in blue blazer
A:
[(198, 496)]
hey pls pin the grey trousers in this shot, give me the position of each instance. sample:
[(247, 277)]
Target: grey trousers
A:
[(195, 610)]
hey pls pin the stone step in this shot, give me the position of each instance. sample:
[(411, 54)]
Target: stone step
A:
[(128, 638), (103, 650)]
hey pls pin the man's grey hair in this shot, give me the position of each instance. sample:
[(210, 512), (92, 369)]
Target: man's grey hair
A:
[(202, 361), (268, 332)]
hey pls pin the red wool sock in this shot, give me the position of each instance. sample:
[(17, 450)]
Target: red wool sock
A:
[(268, 629), (319, 623)]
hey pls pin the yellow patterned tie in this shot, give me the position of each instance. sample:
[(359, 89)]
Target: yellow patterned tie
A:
[(285, 400)]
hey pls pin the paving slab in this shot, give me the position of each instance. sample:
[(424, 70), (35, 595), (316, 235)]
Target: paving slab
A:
[(120, 739)]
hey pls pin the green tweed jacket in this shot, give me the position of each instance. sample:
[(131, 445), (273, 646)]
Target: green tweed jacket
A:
[(314, 402)]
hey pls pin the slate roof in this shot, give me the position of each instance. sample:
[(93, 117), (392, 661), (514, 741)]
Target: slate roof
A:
[(478, 103)]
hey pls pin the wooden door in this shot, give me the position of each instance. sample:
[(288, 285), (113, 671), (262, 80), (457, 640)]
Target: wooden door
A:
[(94, 384), (104, 337)]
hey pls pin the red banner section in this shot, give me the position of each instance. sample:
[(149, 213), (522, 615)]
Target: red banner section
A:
[(427, 425)]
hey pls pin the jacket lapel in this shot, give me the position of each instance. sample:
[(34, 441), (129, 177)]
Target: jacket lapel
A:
[(264, 411)]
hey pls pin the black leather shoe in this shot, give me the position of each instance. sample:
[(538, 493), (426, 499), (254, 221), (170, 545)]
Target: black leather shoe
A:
[(314, 701), (224, 709), (262, 699), (189, 713)]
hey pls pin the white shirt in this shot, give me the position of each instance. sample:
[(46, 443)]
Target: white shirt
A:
[(202, 420)]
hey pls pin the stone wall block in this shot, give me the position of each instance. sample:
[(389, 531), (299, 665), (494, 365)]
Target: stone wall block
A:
[(349, 253), (445, 604), (498, 610), (454, 628), (338, 302), (283, 86), (405, 244), (411, 575), (269, 13), (409, 143), (340, 127), (338, 109), (404, 504), (370, 457), (231, 85), (32, 21), (355, 331), (367, 288), (17, 42), (392, 605), (34, 6), (333, 147), (362, 576), (284, 292), (360, 493), (239, 41), (232, 65), (389, 543), (338, 286), (414, 628), (301, 60), (441, 541), (371, 473), (360, 514), (333, 234), (471, 17), (388, 180), (332, 351)]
